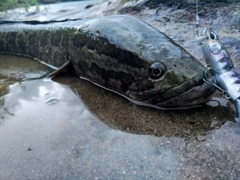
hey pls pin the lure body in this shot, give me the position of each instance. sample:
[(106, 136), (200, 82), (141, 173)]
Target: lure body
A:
[(220, 64)]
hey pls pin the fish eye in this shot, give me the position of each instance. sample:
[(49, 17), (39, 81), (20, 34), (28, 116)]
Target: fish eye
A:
[(213, 36), (156, 70)]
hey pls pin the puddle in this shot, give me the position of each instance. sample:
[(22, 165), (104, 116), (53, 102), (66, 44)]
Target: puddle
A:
[(48, 132), (64, 139), (16, 69)]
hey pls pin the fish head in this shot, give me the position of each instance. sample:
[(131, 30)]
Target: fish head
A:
[(173, 83), (144, 65)]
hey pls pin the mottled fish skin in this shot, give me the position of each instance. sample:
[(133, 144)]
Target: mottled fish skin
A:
[(116, 53)]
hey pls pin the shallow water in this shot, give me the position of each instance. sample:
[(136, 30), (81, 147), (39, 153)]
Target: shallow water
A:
[(48, 132)]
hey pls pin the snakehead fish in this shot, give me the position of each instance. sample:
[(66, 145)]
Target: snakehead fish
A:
[(119, 53)]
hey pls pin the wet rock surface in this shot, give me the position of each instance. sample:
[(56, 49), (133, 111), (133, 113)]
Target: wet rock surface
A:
[(49, 132), (177, 20)]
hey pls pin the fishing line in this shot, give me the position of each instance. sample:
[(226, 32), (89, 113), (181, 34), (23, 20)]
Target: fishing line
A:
[(197, 19)]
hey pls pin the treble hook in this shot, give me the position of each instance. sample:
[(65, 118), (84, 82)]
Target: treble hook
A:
[(212, 82)]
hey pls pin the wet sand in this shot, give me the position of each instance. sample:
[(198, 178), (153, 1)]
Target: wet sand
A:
[(121, 114)]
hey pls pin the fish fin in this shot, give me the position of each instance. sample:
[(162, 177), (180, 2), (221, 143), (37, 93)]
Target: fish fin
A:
[(63, 68)]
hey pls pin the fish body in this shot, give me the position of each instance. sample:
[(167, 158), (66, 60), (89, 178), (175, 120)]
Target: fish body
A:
[(119, 53)]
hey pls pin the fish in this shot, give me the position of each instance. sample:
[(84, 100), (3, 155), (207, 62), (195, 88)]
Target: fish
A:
[(119, 53)]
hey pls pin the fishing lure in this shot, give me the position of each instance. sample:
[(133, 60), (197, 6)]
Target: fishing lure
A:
[(220, 72)]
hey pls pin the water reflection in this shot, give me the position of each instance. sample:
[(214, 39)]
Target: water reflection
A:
[(16, 69), (63, 137)]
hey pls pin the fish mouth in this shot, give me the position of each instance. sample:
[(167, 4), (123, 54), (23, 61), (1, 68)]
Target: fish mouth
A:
[(193, 97)]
